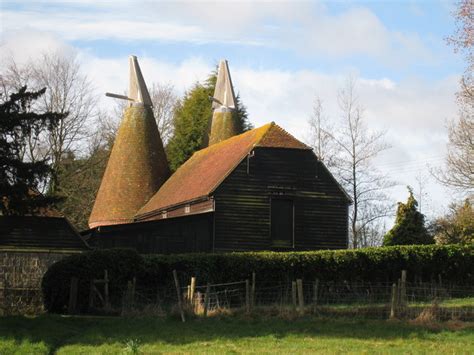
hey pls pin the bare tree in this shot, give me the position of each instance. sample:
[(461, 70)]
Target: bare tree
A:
[(165, 101), (319, 137), (68, 91), (71, 92), (357, 147), (459, 166), (81, 176), (372, 234)]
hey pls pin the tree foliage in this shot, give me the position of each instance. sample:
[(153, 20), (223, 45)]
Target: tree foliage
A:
[(409, 225), (457, 227), (21, 178), (192, 122)]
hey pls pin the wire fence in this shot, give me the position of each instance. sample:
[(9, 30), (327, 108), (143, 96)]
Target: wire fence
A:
[(191, 298), (431, 301)]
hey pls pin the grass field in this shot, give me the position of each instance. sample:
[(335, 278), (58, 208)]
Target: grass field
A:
[(231, 334)]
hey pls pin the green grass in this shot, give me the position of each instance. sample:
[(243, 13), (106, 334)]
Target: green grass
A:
[(231, 334)]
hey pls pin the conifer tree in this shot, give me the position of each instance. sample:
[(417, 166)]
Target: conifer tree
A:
[(409, 225), (192, 122), (20, 179)]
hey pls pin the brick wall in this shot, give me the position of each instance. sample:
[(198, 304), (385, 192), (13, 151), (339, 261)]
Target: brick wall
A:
[(20, 279)]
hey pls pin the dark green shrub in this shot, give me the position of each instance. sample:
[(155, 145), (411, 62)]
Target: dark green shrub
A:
[(121, 265), (409, 228), (453, 263)]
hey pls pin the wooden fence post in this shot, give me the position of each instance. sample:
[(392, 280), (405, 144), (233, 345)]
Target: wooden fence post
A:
[(132, 293), (73, 295), (399, 296), (91, 294), (293, 293), (106, 289), (206, 299), (315, 292), (191, 291), (252, 298), (403, 291), (127, 298), (299, 283), (247, 296), (393, 305), (178, 293)]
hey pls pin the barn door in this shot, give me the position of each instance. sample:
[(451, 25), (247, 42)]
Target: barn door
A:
[(282, 222)]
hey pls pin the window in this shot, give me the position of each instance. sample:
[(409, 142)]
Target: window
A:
[(282, 222)]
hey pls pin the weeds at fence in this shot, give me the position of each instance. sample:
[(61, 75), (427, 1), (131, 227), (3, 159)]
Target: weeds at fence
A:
[(422, 302), (193, 298)]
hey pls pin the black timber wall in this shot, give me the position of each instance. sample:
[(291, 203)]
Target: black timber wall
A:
[(242, 216), (165, 236)]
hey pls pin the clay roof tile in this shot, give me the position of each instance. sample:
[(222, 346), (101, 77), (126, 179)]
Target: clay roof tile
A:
[(200, 175)]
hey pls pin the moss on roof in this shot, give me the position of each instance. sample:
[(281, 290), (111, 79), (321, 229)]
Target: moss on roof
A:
[(207, 168), (136, 169), (223, 127)]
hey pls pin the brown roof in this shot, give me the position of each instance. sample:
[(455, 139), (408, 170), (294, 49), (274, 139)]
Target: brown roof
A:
[(207, 168), (136, 169)]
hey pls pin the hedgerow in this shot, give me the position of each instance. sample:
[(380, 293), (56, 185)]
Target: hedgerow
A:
[(453, 264)]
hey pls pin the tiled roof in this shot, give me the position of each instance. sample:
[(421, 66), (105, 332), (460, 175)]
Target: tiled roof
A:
[(207, 168), (136, 169)]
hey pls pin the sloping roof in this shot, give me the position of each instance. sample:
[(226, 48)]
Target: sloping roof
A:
[(206, 169), (33, 232), (136, 169)]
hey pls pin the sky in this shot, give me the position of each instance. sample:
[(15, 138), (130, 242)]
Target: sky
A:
[(282, 54)]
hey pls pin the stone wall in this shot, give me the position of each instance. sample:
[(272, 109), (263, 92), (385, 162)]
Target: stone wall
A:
[(20, 279)]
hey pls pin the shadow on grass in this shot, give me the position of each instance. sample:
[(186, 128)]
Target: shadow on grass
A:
[(56, 331)]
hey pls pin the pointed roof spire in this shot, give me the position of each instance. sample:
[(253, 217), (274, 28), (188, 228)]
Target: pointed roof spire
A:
[(137, 166), (224, 123), (224, 92), (137, 87)]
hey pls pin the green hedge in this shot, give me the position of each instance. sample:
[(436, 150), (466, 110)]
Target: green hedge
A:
[(122, 265), (453, 263)]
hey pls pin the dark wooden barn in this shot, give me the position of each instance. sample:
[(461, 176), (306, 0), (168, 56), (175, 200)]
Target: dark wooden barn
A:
[(260, 190)]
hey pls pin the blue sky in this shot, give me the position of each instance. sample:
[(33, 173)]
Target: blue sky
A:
[(426, 23), (281, 55)]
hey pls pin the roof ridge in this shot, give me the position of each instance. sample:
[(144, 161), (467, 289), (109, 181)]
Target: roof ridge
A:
[(270, 126), (285, 133)]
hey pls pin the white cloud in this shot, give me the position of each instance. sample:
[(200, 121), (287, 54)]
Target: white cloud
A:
[(413, 111), (111, 75), (303, 26), (27, 45)]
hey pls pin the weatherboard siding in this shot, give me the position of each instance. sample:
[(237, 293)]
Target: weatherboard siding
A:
[(192, 233), (242, 202)]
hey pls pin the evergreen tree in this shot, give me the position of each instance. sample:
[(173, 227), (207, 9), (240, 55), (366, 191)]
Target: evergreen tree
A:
[(192, 122), (20, 180), (409, 225)]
